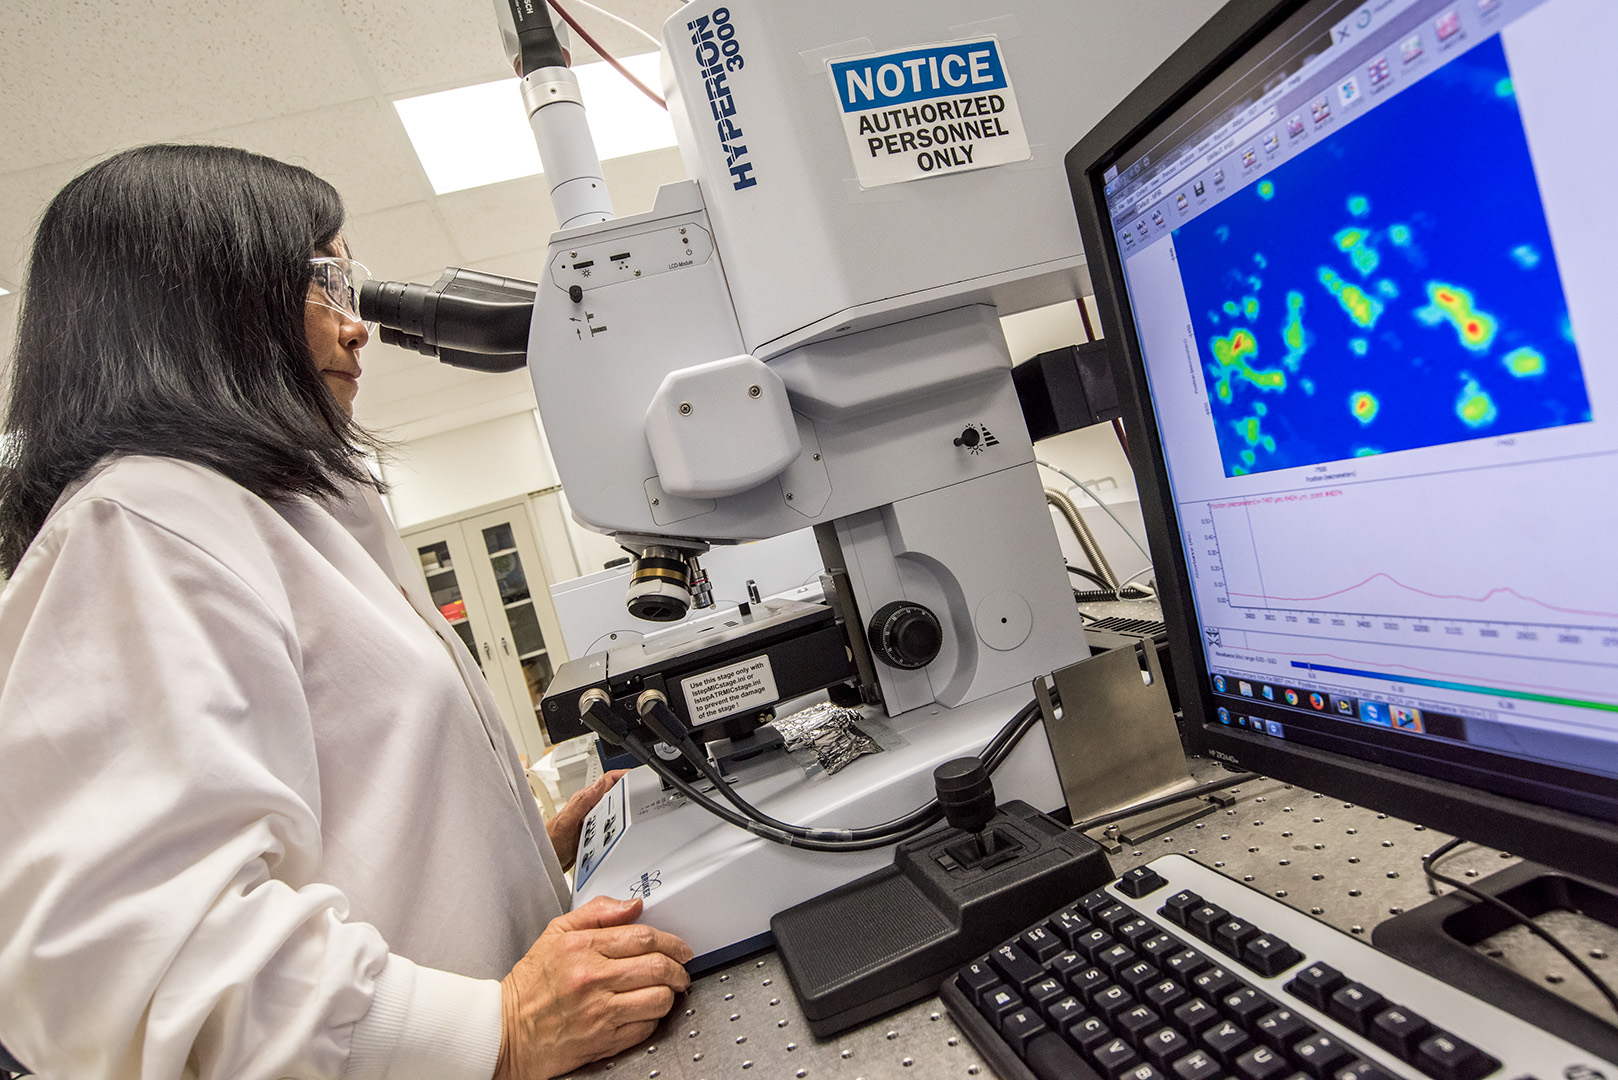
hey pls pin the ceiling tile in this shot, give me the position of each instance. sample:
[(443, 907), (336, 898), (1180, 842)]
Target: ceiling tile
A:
[(415, 47), (359, 147), (23, 198), (389, 241), (498, 219), (176, 67)]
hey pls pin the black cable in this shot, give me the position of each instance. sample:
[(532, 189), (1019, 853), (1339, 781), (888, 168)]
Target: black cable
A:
[(1447, 849), (1106, 592), (1167, 800), (1086, 575)]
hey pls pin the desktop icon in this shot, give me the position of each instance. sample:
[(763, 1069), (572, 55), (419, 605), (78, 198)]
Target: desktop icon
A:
[(1268, 692), (1295, 125), (1317, 703), (1379, 71), (1198, 188), (1348, 91), (1321, 110), (1272, 143), (1246, 688), (1374, 712), (1407, 719), (1344, 705), (1157, 217), (1219, 683), (1129, 238), (1410, 48), (1181, 202), (1249, 157), (1219, 177), (1292, 697), (1447, 25), (1274, 728)]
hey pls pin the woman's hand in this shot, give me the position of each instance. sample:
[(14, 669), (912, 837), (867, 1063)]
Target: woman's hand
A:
[(564, 827), (594, 983)]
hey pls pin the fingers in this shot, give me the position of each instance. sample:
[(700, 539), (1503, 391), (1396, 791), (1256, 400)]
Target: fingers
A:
[(630, 1034), (640, 972), (600, 911), (621, 942), (649, 1004)]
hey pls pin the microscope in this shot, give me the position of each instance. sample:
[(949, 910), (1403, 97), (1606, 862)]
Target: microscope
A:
[(804, 335)]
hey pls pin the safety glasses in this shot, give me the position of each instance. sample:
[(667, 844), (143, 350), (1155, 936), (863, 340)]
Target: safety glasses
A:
[(338, 281)]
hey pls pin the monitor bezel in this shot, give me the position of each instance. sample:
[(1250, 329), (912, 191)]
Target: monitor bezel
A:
[(1577, 844)]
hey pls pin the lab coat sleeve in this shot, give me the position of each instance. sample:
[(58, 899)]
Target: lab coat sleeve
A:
[(161, 912)]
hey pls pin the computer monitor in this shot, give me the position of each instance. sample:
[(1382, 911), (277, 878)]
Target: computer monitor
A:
[(1354, 262)]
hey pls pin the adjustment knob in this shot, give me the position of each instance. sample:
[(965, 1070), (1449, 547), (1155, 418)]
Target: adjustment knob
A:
[(905, 635), (965, 793), (969, 438)]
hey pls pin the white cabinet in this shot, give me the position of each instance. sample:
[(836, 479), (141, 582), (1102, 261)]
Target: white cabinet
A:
[(486, 575)]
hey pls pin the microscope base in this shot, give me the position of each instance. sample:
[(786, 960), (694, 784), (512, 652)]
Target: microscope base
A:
[(717, 887)]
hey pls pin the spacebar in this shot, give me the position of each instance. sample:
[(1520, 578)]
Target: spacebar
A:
[(1052, 1059)]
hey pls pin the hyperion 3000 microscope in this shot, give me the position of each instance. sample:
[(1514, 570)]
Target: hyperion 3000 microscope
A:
[(805, 334)]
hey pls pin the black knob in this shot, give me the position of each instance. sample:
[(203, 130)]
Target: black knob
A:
[(969, 438), (575, 293), (965, 793), (905, 635)]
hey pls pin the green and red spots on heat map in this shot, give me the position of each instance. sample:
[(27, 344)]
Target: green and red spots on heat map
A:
[(1364, 406), (1458, 307)]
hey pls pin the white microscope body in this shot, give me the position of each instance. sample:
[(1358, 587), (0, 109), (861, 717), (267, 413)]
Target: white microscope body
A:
[(806, 334)]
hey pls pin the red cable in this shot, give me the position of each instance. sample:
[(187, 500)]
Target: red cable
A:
[(1084, 313), (1123, 442), (605, 55)]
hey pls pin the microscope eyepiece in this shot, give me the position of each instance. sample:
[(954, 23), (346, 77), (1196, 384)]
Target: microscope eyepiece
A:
[(466, 318)]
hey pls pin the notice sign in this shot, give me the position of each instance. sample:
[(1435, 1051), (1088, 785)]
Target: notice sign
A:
[(725, 691), (928, 111)]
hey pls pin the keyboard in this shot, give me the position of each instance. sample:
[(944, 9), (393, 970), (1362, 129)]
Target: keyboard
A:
[(1176, 972)]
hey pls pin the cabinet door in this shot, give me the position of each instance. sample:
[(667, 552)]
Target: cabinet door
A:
[(447, 564), (511, 576)]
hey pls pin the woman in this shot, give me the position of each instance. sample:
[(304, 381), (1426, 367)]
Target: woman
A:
[(258, 814)]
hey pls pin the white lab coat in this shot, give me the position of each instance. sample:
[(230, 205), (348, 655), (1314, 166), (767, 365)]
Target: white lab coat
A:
[(252, 821)]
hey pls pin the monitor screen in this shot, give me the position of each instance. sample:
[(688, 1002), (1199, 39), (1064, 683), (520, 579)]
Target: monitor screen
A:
[(1355, 256)]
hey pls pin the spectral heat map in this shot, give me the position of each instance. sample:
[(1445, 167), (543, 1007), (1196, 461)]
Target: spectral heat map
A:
[(1393, 288)]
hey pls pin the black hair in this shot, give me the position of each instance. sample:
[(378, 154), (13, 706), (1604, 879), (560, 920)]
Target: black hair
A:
[(163, 314)]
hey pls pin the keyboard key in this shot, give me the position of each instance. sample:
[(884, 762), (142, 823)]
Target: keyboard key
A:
[(1269, 955), (1114, 1057), (1045, 991), (1137, 1023), (998, 1002), (1229, 935), (1165, 1046), (1015, 966), (1089, 1033), (976, 978), (1158, 948), (1355, 1005), (1041, 944), (1215, 983), (1164, 995), (1065, 965), (1019, 1026), (1069, 924), (1135, 931), (1185, 965), (1052, 1059), (1197, 1065), (1138, 976), (1262, 1063), (1142, 1071), (1063, 1011), (1113, 917), (1316, 984), (1086, 982), (1201, 920), (1093, 941), (1448, 1058), (1399, 1031), (1176, 907), (1092, 902), (1138, 882), (1115, 958), (1195, 1015), (1111, 1002), (1245, 1006), (1225, 1041), (1362, 1070), (1281, 1028), (1321, 1055)]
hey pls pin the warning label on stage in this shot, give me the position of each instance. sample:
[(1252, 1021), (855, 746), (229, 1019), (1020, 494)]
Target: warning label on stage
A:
[(929, 111), (726, 691)]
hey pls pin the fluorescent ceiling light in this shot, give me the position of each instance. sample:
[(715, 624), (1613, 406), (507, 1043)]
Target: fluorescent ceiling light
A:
[(4, 291), (477, 135)]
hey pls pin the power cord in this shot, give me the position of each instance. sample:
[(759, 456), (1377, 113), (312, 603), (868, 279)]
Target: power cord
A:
[(1445, 850)]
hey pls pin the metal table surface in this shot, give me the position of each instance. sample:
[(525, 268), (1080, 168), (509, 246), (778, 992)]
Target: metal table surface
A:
[(1347, 865)]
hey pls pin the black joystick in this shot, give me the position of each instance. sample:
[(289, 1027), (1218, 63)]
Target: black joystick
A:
[(967, 796)]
